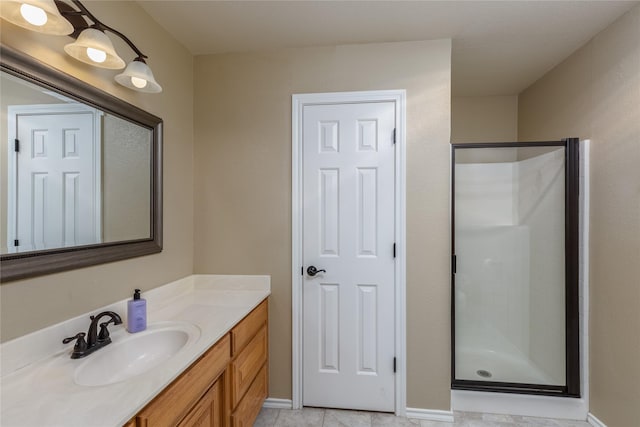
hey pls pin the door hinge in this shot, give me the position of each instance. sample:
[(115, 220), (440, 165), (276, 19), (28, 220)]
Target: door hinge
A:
[(394, 365), (16, 145), (454, 262), (394, 250), (16, 242), (394, 136)]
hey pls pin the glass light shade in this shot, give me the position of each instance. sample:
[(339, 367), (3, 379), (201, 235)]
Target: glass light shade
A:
[(100, 46), (32, 15), (138, 76)]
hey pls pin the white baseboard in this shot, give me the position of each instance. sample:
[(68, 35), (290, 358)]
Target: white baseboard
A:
[(272, 402), (422, 414), (594, 421), (430, 414)]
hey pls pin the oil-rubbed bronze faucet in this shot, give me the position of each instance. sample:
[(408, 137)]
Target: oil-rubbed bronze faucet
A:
[(96, 340)]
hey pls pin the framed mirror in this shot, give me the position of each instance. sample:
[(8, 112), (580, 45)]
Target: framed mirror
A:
[(80, 174)]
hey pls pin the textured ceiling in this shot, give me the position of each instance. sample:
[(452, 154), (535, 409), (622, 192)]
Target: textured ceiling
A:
[(499, 47)]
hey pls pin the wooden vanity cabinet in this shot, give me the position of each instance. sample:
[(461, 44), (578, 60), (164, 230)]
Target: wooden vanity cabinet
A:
[(224, 388)]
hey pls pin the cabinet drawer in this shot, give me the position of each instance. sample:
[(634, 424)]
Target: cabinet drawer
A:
[(178, 398), (245, 367), (249, 407), (247, 328)]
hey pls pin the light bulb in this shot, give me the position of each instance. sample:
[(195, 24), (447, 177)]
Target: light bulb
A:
[(33, 15), (96, 55), (138, 82)]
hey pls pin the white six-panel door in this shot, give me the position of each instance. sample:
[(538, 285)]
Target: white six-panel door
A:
[(348, 165), (57, 178)]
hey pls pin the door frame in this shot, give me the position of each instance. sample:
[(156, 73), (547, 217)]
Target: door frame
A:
[(299, 101), (13, 111)]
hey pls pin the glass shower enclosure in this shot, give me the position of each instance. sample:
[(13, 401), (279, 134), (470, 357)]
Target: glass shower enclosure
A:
[(514, 268)]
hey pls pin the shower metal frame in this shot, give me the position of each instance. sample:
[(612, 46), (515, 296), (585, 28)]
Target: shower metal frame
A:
[(572, 319)]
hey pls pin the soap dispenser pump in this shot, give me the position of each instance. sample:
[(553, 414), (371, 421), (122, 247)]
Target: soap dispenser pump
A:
[(136, 313)]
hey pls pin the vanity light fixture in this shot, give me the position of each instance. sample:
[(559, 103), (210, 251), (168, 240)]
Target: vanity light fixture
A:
[(92, 45), (37, 15)]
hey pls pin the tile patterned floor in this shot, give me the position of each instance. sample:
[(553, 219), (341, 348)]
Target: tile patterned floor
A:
[(312, 417)]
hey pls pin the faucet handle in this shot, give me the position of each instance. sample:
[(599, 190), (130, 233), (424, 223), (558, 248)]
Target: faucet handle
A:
[(81, 344), (104, 332), (78, 336)]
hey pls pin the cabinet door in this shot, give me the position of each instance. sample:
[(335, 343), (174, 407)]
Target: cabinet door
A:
[(208, 411), (247, 365), (173, 404), (249, 407)]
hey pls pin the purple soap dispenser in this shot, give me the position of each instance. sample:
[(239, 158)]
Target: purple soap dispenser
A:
[(136, 313)]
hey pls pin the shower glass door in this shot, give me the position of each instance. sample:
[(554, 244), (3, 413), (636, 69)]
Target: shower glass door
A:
[(514, 267)]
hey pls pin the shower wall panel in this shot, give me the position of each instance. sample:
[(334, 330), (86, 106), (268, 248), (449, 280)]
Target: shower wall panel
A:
[(541, 186), (486, 194)]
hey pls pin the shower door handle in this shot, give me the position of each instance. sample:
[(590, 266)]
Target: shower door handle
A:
[(312, 271)]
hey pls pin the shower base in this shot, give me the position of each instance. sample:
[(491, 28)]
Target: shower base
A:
[(489, 365)]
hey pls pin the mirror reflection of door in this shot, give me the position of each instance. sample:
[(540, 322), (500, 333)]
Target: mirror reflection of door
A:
[(55, 177)]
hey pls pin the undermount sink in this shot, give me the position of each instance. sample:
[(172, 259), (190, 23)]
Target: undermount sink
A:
[(134, 354)]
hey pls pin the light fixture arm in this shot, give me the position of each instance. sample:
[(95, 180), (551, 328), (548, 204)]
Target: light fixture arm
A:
[(74, 17)]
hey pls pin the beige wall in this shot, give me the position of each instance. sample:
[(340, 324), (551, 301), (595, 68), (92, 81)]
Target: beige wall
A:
[(595, 94), (243, 183), (28, 305), (484, 118)]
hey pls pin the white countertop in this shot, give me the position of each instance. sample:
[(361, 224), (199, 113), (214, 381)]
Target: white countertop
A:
[(37, 386)]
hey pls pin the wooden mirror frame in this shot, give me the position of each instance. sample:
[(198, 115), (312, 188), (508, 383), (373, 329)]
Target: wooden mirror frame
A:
[(36, 263)]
